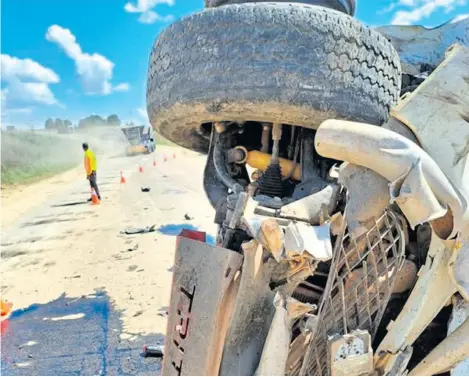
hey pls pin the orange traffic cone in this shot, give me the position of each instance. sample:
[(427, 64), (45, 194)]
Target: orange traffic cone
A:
[(6, 309), (94, 197), (140, 168), (122, 178)]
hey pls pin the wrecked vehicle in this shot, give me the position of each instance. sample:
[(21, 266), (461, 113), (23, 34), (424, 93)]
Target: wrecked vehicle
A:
[(342, 206), (140, 139)]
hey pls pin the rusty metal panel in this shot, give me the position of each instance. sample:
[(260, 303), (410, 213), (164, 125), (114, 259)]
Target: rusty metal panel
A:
[(202, 293)]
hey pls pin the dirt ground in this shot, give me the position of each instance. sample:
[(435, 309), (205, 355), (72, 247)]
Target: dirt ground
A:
[(56, 245)]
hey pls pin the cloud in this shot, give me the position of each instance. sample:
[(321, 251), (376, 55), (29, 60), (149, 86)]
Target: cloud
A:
[(143, 113), (29, 92), (28, 82), (408, 3), (151, 17), (26, 69), (95, 70), (388, 8), (124, 87), (460, 17), (424, 9), (22, 110), (147, 14)]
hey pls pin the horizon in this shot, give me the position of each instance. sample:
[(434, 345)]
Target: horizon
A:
[(63, 67)]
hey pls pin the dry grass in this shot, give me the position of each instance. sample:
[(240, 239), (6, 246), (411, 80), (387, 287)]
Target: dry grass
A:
[(27, 156)]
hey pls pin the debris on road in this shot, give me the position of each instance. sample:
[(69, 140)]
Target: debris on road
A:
[(5, 309), (133, 248), (146, 229), (153, 351), (187, 217), (163, 312), (145, 189), (74, 277)]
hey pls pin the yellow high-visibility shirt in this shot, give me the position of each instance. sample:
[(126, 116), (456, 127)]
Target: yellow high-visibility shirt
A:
[(90, 162)]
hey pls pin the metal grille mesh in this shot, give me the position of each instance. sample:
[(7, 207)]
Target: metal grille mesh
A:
[(358, 288)]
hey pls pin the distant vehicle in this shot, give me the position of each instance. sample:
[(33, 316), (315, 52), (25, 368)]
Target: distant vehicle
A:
[(66, 130), (140, 138)]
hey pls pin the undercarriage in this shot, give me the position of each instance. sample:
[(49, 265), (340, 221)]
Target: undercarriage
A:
[(342, 239)]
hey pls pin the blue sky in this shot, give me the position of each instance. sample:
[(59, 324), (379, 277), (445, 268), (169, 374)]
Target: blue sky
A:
[(73, 58)]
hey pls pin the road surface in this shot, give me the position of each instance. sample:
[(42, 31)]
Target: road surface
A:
[(87, 297)]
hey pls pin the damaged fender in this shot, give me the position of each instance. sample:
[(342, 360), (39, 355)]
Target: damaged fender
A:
[(418, 185)]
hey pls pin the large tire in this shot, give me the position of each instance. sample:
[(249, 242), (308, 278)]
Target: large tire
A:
[(345, 6), (268, 62)]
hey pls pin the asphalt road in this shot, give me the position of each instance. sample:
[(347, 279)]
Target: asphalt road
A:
[(86, 296)]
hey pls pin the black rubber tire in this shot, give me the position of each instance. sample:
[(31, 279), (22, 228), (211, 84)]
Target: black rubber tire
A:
[(344, 6), (267, 62)]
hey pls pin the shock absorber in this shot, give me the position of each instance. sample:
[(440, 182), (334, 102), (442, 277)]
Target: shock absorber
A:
[(271, 183)]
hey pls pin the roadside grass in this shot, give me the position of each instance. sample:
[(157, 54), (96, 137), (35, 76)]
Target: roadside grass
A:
[(27, 156)]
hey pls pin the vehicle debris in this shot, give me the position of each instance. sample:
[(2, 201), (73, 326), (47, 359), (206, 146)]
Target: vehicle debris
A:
[(145, 189), (163, 312), (133, 248), (351, 354), (417, 183), (146, 229), (153, 351), (452, 352), (354, 231), (314, 240), (277, 344), (252, 313)]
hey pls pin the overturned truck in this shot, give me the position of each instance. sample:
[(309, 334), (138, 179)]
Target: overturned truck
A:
[(140, 140), (341, 185)]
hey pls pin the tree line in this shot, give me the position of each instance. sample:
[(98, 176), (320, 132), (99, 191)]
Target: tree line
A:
[(65, 125)]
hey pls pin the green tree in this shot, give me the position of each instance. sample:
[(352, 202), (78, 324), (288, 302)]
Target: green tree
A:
[(59, 124), (113, 120), (50, 124), (91, 121)]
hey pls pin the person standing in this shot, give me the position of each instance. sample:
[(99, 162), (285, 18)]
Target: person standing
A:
[(90, 168)]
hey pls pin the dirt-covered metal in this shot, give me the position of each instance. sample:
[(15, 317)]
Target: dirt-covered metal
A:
[(349, 304)]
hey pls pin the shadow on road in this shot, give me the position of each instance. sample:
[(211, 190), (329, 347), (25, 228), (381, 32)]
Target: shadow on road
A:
[(73, 337)]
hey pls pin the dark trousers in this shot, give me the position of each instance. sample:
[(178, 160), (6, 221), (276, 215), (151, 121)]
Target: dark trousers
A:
[(93, 183)]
